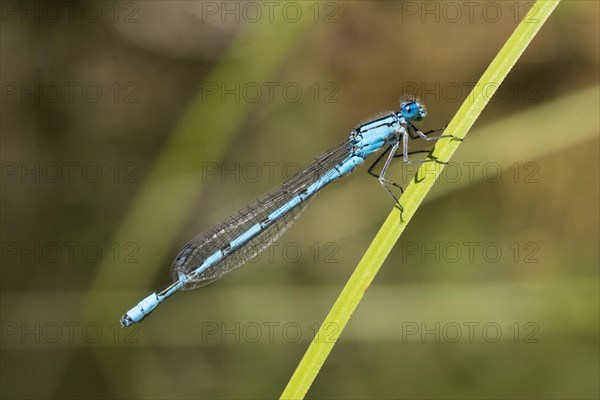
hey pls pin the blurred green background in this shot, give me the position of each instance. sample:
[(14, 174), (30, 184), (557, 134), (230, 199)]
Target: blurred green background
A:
[(129, 127)]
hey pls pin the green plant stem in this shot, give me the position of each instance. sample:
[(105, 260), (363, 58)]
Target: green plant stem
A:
[(416, 191)]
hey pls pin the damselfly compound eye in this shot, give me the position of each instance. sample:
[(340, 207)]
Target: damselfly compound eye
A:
[(413, 110)]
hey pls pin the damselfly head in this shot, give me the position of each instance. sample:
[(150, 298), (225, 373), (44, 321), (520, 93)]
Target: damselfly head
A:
[(412, 109)]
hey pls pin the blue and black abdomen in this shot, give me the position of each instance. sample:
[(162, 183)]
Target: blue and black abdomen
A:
[(245, 234)]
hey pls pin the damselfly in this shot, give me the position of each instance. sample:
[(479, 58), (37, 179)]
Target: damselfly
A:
[(245, 234)]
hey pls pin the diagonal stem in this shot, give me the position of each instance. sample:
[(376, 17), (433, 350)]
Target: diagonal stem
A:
[(415, 193)]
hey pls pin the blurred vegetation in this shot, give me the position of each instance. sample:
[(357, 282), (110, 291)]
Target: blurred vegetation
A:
[(541, 129)]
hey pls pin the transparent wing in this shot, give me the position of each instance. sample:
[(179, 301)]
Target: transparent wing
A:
[(193, 254)]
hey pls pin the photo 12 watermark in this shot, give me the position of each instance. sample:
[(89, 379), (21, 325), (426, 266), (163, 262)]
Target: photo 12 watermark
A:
[(457, 92), (71, 12), (69, 172), (252, 12), (65, 333), (471, 252), (468, 11), (469, 332), (69, 252), (475, 171), (266, 332), (269, 91), (70, 92)]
